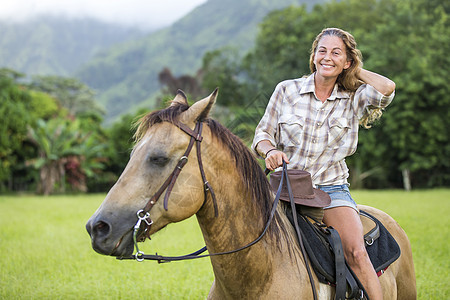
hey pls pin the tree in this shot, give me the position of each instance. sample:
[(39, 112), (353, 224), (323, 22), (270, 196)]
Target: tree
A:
[(119, 145), (60, 142), (15, 119), (412, 49), (222, 68), (171, 84), (281, 49), (73, 95), (20, 107), (43, 106)]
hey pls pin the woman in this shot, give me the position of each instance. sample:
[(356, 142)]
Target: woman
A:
[(312, 124)]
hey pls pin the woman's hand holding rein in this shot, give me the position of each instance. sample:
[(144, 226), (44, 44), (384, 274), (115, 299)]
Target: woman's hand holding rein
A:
[(273, 149), (273, 157)]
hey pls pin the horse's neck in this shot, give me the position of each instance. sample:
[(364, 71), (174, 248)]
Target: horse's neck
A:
[(237, 225)]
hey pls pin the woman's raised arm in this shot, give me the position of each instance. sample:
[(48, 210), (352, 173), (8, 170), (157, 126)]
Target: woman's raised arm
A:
[(382, 84)]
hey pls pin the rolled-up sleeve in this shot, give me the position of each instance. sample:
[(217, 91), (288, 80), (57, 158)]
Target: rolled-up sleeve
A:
[(368, 97), (267, 127)]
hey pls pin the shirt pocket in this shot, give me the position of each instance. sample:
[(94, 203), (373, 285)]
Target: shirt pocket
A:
[(338, 129), (290, 128)]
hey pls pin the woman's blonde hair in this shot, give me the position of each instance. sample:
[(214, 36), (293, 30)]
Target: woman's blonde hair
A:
[(348, 80)]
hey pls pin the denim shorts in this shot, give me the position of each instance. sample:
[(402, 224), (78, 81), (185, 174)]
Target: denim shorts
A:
[(340, 196)]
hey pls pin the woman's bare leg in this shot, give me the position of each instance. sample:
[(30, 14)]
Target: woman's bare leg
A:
[(348, 224)]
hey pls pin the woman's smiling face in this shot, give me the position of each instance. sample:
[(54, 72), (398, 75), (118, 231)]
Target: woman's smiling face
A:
[(330, 57)]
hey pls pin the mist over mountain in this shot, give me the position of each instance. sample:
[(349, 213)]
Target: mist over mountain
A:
[(143, 14), (121, 63), (51, 45)]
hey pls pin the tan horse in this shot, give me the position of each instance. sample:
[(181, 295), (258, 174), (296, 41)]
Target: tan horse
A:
[(270, 269)]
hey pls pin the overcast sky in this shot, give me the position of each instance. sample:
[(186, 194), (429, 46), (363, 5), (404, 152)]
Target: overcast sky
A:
[(143, 13)]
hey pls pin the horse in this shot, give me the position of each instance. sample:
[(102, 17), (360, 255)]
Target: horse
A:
[(232, 200)]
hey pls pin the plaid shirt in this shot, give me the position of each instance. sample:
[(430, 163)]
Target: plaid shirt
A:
[(316, 137)]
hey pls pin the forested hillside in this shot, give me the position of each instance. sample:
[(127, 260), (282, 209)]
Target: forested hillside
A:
[(57, 46), (53, 137), (127, 75)]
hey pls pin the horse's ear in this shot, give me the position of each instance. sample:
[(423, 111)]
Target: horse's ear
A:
[(180, 98), (200, 109)]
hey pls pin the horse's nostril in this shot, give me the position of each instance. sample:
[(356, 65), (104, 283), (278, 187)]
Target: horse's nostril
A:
[(101, 228)]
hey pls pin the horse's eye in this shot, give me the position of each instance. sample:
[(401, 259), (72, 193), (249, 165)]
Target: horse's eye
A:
[(159, 160)]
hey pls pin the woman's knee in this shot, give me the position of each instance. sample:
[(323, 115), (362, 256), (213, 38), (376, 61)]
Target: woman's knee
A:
[(357, 256)]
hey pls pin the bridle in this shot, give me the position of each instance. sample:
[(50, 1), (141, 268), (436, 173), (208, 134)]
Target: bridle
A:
[(146, 222), (144, 214)]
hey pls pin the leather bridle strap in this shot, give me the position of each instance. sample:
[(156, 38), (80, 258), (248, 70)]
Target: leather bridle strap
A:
[(206, 186), (170, 181), (197, 135), (196, 138)]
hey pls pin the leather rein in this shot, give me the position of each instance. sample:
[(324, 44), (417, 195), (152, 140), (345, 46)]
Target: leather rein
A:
[(143, 215)]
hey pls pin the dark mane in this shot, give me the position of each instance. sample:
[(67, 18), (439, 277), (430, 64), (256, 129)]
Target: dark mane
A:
[(252, 175), (169, 114)]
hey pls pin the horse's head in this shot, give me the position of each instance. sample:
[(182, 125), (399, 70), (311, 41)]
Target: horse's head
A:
[(160, 146)]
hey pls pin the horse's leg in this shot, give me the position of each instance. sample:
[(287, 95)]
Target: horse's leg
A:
[(402, 269), (388, 285), (405, 277), (212, 292)]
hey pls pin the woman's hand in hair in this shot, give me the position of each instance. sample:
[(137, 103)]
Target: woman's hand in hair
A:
[(382, 84)]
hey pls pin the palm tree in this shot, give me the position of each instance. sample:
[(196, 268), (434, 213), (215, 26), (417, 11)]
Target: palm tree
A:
[(60, 141)]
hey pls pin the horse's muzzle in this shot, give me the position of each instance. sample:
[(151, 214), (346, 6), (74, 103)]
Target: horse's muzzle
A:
[(105, 242)]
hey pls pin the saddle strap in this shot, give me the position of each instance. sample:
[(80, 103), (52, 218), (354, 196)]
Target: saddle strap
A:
[(339, 261), (355, 288)]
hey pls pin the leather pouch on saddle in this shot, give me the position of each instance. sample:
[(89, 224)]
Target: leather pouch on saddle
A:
[(309, 201)]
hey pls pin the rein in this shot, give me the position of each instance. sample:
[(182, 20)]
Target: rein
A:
[(144, 214), (297, 228)]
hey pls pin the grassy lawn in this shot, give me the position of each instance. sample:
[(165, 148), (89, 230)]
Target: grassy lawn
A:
[(46, 253), (424, 215)]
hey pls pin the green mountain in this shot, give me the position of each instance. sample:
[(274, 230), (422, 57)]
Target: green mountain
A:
[(126, 76), (49, 45)]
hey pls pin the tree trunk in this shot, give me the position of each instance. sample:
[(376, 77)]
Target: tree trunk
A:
[(406, 180)]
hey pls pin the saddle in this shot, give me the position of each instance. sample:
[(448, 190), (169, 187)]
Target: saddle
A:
[(324, 249), (322, 244)]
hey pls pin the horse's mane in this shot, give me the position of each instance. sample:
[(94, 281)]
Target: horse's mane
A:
[(255, 181), (169, 114), (253, 177)]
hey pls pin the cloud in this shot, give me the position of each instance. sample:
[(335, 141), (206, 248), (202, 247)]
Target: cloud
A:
[(143, 13)]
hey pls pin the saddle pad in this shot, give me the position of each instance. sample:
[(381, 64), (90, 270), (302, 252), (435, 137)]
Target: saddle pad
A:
[(383, 251)]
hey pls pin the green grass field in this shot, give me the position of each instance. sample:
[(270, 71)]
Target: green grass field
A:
[(45, 252)]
